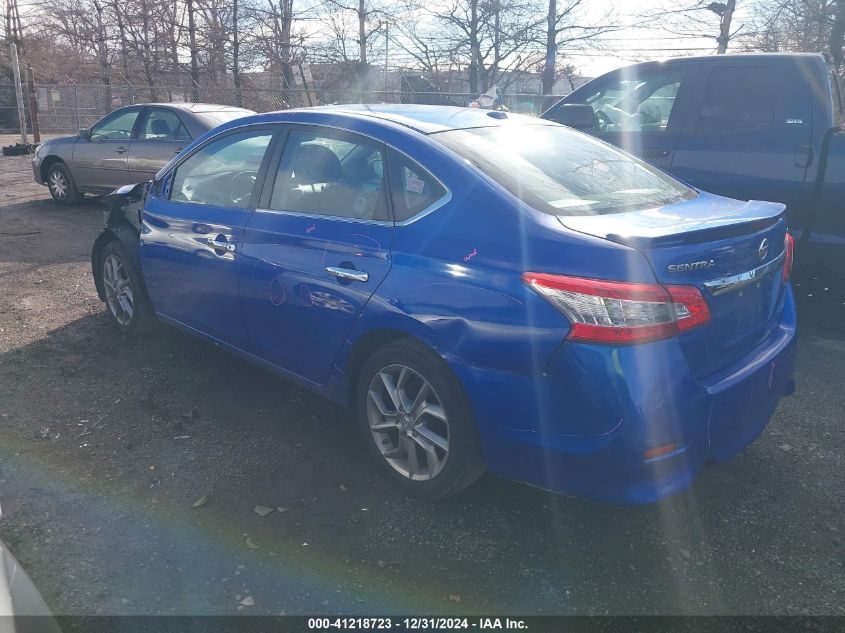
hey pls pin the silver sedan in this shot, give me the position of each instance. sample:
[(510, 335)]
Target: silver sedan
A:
[(126, 146)]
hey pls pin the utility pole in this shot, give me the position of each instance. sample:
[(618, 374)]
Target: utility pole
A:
[(33, 107), (19, 92)]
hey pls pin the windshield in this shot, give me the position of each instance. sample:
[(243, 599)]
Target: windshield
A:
[(562, 172)]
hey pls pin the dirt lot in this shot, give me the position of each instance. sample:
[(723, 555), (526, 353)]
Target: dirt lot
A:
[(106, 443)]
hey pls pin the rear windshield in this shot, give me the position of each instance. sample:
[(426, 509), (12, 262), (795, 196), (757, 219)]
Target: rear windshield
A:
[(216, 117), (562, 172)]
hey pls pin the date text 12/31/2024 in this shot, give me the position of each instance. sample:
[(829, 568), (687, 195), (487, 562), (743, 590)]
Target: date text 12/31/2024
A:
[(416, 624)]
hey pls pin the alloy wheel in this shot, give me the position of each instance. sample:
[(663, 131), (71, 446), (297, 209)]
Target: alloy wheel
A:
[(408, 422), (118, 289)]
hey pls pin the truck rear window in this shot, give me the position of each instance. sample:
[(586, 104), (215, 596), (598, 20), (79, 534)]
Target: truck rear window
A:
[(561, 172)]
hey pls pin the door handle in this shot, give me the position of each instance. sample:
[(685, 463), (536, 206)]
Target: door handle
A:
[(346, 273), (221, 245), (121, 150), (656, 152)]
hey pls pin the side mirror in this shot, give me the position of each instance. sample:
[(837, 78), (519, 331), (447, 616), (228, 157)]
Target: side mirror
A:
[(85, 134), (577, 115)]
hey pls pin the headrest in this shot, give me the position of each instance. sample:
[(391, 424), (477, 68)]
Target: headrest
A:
[(317, 163), (160, 127)]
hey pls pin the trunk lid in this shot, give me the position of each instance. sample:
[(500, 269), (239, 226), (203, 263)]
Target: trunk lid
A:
[(732, 251)]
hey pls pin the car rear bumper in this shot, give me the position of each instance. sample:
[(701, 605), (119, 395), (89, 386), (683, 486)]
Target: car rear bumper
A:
[(582, 426)]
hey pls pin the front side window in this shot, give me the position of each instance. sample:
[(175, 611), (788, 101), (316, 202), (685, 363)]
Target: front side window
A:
[(223, 172), (561, 172), (323, 175), (117, 126), (412, 188), (637, 103), (163, 125), (737, 99)]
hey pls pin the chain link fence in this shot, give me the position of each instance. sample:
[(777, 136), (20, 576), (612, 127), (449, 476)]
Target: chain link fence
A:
[(70, 107)]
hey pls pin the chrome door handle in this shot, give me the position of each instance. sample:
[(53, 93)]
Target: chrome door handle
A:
[(221, 245), (121, 150), (346, 273)]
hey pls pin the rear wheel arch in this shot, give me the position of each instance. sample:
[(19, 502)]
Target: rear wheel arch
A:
[(365, 345), (362, 349)]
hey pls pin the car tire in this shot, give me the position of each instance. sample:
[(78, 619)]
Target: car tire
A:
[(61, 184), (439, 428), (126, 297)]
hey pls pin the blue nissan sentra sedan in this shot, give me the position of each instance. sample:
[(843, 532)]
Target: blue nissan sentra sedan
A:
[(488, 292)]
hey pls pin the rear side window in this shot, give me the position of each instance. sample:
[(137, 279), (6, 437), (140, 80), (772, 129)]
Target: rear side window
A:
[(413, 189), (163, 125), (562, 172), (737, 99)]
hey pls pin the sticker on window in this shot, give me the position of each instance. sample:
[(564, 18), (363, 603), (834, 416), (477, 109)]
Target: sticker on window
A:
[(360, 204), (414, 185)]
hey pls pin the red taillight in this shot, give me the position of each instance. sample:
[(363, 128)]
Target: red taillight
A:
[(789, 256), (620, 312)]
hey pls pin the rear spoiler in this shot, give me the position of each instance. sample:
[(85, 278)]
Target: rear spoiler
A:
[(706, 218)]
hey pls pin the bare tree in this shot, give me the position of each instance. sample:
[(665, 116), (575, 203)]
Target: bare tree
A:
[(837, 34), (698, 19), (118, 13), (568, 27), (725, 11), (278, 38), (236, 53), (358, 22), (492, 39), (794, 25), (101, 48), (193, 50), (13, 24), (417, 41), (83, 26)]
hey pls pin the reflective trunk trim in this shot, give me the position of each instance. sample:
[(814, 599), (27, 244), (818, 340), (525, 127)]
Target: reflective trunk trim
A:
[(737, 282)]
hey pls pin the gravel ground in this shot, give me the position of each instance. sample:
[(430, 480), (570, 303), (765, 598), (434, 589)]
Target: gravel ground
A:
[(108, 443)]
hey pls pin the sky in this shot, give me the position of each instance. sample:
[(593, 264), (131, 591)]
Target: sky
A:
[(652, 41)]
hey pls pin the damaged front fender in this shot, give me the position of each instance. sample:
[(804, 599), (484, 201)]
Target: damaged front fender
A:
[(123, 217)]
